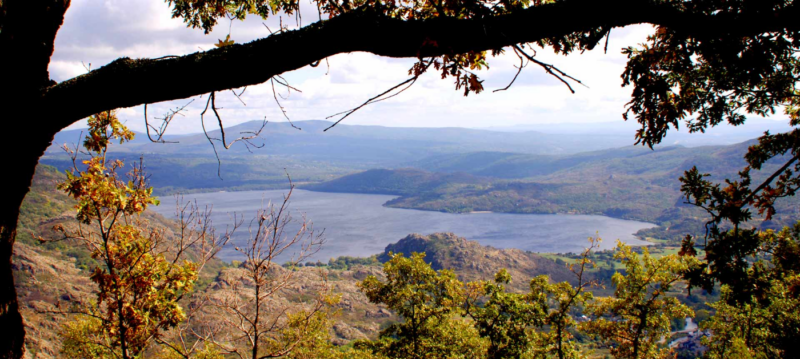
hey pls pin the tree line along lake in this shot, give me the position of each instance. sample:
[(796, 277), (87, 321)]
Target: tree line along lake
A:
[(359, 225)]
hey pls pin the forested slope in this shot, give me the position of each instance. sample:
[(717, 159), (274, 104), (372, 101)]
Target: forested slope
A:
[(630, 183)]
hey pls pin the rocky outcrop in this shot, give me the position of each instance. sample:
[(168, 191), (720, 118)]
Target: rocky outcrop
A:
[(472, 261), (47, 283)]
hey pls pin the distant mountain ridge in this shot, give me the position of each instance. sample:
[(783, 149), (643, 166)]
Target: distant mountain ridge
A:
[(720, 135), (389, 144), (312, 156), (393, 144), (308, 155), (518, 165)]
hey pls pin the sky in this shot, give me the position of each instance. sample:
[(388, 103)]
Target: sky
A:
[(95, 32)]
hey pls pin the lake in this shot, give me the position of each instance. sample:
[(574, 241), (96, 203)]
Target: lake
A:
[(359, 225)]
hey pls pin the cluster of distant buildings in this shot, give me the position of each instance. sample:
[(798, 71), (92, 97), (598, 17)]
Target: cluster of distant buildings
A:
[(690, 346)]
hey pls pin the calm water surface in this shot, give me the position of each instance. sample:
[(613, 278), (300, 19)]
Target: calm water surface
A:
[(359, 224)]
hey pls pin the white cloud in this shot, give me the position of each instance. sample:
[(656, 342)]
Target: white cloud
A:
[(97, 32)]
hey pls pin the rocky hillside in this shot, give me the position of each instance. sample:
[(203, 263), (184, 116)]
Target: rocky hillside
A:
[(47, 282), (355, 317), (53, 277), (46, 276), (472, 261)]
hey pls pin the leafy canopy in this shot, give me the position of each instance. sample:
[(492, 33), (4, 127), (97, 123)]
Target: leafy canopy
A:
[(445, 318), (764, 320), (638, 316), (430, 303)]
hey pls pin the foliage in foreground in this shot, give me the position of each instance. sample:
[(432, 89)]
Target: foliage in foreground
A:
[(145, 278), (445, 318), (138, 287), (491, 322), (767, 323), (638, 316)]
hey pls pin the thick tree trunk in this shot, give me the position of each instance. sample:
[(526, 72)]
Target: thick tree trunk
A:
[(12, 329), (27, 34), (16, 183)]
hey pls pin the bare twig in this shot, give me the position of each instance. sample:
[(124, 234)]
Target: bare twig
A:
[(239, 95), (522, 65), (328, 70), (213, 146), (380, 97), (165, 121), (280, 80), (211, 103), (225, 143), (552, 70), (278, 102)]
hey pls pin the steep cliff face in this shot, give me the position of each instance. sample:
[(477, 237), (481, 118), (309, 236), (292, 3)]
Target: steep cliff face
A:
[(472, 261)]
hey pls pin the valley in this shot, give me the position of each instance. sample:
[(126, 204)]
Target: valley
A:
[(460, 170), (471, 207)]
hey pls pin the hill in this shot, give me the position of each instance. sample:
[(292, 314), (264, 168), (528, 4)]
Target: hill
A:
[(312, 155), (309, 155), (401, 182), (472, 261), (630, 183), (623, 160)]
